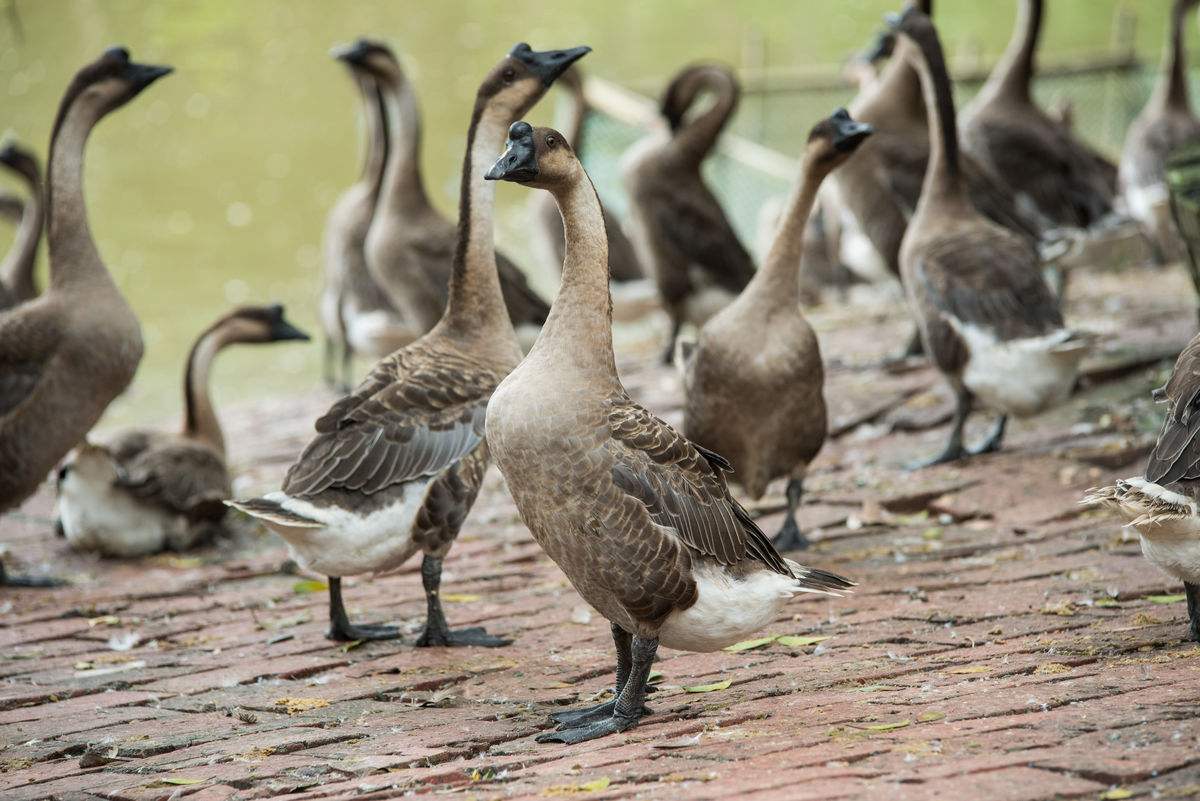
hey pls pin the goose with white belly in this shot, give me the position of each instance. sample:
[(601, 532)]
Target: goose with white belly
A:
[(17, 268), (396, 466), (144, 490), (638, 517), (988, 319), (1162, 505)]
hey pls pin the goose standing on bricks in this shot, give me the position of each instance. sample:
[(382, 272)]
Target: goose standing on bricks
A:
[(988, 319), (17, 268), (754, 380), (411, 248), (1162, 505), (699, 264), (638, 517), (66, 354), (145, 490), (1165, 123), (396, 466), (356, 314)]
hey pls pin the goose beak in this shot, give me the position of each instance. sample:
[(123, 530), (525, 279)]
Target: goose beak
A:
[(519, 161), (142, 75), (8, 154), (548, 64), (848, 133), (283, 331), (353, 53), (881, 48)]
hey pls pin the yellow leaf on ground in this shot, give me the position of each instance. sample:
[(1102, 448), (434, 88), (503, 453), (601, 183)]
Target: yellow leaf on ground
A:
[(1164, 599), (709, 688), (971, 669), (594, 786), (460, 598), (900, 724), (1052, 667), (798, 641), (294, 706), (179, 780), (929, 717), (1116, 794), (309, 585)]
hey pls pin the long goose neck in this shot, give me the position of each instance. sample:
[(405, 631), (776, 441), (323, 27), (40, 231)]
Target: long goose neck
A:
[(777, 282), (476, 304), (403, 188), (575, 126), (74, 258), (16, 271), (897, 92), (200, 418), (696, 138), (943, 181), (1014, 73), (579, 328), (1171, 91), (376, 156)]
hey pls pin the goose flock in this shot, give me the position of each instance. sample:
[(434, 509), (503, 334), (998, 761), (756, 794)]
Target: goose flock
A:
[(471, 365)]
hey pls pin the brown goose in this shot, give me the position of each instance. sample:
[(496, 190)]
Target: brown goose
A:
[(623, 264), (396, 466), (410, 246), (698, 262), (17, 268), (1165, 123), (146, 490), (989, 322), (638, 517), (356, 313), (1037, 158), (66, 354), (774, 424), (1162, 505)]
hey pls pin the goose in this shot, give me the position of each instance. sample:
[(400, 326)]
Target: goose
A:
[(356, 314), (1164, 124), (17, 268), (1161, 506), (638, 517), (989, 321), (1040, 160), (774, 423), (66, 354), (146, 490), (623, 264), (410, 245), (11, 207), (396, 465), (697, 260)]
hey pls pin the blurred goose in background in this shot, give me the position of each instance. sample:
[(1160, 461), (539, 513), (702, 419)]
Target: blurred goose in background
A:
[(697, 260), (17, 269), (1163, 125), (623, 264), (144, 490), (67, 353), (356, 313), (410, 245), (639, 518), (989, 321), (11, 207), (396, 466), (754, 379)]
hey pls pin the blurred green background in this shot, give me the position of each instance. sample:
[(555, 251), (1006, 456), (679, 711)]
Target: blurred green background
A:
[(211, 189)]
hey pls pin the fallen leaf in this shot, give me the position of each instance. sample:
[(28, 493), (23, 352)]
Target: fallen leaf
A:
[(797, 641), (888, 726), (1107, 602), (350, 646), (460, 598), (1116, 794), (971, 669), (1163, 599), (309, 585), (929, 717), (294, 706), (1052, 668), (594, 786), (750, 645), (179, 780), (709, 688), (104, 620), (1064, 609), (655, 677)]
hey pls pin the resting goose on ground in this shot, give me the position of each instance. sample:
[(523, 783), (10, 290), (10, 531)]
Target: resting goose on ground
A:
[(356, 313), (1164, 124), (988, 319), (638, 517), (698, 262), (1162, 506), (17, 268), (396, 465), (754, 379), (67, 353), (144, 490)]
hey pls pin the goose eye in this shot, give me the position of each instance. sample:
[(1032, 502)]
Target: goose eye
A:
[(551, 142), (508, 75)]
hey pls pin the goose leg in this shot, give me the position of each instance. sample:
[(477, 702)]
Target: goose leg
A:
[(437, 632), (954, 449), (1193, 603), (790, 537), (629, 706), (340, 627), (669, 354), (573, 718), (992, 443)]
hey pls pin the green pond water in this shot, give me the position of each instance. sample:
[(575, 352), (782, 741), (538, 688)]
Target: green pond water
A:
[(211, 189)]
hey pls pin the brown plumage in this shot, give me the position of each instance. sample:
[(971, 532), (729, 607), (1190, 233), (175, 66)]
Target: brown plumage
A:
[(66, 354), (17, 268), (1163, 125), (1034, 155), (755, 380), (697, 259), (395, 466), (638, 517), (989, 322), (1175, 459)]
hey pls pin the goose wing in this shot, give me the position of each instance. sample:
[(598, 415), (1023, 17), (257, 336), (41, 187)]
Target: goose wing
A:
[(418, 412), (28, 341), (682, 487), (184, 477), (694, 225), (1176, 455)]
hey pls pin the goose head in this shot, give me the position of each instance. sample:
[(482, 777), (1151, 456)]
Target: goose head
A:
[(370, 57), (537, 157), (258, 324), (18, 159), (520, 79), (834, 139), (108, 83), (685, 88), (89, 463)]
